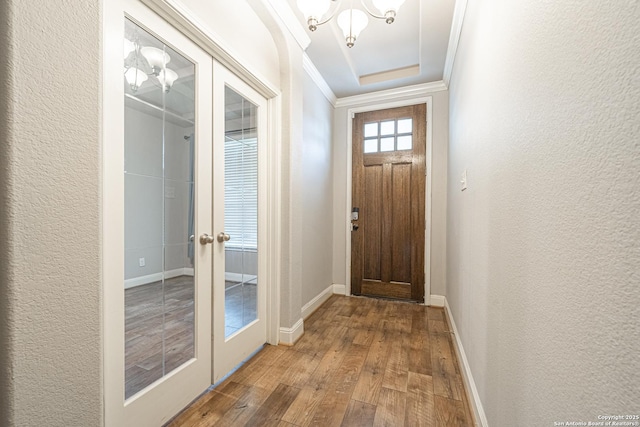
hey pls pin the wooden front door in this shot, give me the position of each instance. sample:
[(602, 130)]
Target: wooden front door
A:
[(388, 193)]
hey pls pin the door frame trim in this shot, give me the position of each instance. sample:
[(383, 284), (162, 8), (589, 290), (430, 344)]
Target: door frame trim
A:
[(428, 100)]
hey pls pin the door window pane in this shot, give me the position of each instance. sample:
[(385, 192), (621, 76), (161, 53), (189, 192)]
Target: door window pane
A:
[(396, 135), (370, 129), (387, 144), (405, 126), (240, 212), (388, 127), (371, 145), (404, 142), (158, 209)]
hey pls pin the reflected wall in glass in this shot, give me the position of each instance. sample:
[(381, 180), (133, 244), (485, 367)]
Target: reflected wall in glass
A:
[(240, 212), (158, 208)]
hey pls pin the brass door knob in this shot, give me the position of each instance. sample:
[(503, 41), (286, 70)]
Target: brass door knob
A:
[(223, 237), (205, 238)]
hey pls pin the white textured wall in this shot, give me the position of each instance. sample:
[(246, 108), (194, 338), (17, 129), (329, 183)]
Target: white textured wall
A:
[(438, 196), (49, 221), (317, 221), (544, 246)]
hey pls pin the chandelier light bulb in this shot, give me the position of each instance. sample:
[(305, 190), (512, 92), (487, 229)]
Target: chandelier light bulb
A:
[(166, 78), (135, 77), (388, 8), (352, 22), (313, 11), (157, 58)]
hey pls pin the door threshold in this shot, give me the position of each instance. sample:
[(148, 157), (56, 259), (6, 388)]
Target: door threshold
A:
[(409, 301)]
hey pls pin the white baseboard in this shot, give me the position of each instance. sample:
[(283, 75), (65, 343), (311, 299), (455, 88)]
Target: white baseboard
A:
[(313, 305), (156, 277), (178, 272), (142, 280), (437, 301), (289, 336), (467, 377), (339, 289), (238, 277)]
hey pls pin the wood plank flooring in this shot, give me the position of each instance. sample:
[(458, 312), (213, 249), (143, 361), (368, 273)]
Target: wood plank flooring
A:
[(361, 362)]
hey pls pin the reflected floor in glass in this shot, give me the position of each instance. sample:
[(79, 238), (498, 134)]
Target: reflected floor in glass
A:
[(144, 332), (240, 305)]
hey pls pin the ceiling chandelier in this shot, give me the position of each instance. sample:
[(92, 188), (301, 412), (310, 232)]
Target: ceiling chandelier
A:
[(351, 21), (147, 58)]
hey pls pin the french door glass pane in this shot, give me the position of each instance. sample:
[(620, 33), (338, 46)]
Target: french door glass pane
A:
[(159, 209), (240, 212)]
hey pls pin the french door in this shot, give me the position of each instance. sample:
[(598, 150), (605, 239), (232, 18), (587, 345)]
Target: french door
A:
[(239, 221), (185, 297)]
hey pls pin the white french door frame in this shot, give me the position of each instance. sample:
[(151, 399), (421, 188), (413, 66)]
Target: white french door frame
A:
[(428, 100), (112, 219)]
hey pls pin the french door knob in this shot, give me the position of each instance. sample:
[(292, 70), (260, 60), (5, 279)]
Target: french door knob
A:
[(205, 238), (223, 237)]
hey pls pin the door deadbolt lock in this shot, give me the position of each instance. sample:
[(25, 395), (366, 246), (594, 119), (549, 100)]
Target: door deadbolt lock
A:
[(355, 214)]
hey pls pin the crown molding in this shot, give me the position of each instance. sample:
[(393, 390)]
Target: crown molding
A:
[(315, 75), (390, 94), (454, 39), (290, 21)]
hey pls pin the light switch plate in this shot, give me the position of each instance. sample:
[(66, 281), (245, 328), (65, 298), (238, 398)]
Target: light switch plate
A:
[(463, 181)]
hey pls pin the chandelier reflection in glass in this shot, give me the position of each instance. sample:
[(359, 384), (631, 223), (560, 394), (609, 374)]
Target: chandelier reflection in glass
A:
[(351, 21), (147, 58)]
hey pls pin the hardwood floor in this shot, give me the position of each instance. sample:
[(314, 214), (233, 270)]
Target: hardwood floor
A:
[(361, 362)]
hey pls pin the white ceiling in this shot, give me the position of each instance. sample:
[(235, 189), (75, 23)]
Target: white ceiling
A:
[(410, 51)]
